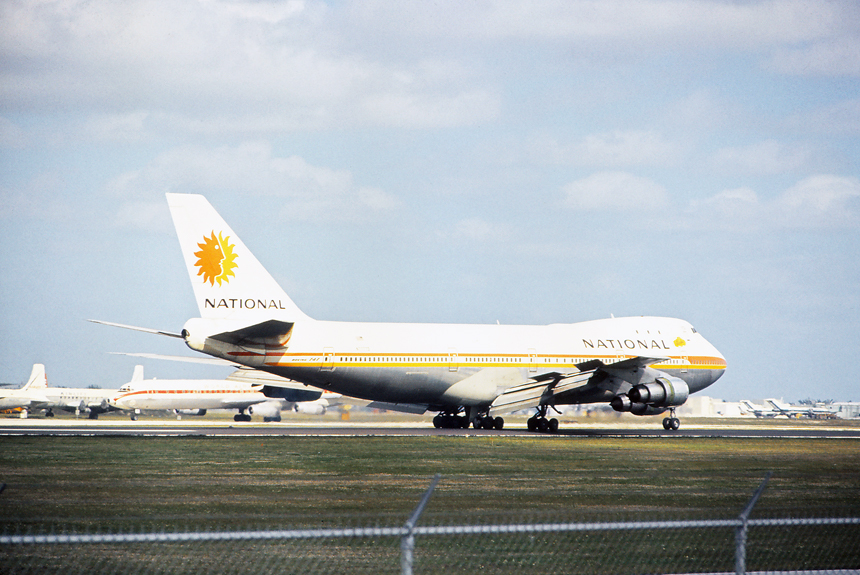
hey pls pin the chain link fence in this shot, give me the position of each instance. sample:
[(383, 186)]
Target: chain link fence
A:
[(429, 545)]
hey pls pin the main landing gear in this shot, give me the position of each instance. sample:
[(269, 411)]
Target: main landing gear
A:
[(539, 422), (242, 416), (450, 421), (453, 421), (671, 423)]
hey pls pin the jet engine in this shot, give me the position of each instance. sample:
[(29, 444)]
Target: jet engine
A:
[(665, 391), (311, 407), (652, 398), (268, 410), (623, 403)]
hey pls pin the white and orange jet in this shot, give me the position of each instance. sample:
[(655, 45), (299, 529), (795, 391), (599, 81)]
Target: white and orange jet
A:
[(244, 390), (469, 374)]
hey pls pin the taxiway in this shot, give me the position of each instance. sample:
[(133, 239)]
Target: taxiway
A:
[(221, 429)]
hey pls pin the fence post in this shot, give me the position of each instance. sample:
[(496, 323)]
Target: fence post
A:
[(407, 541), (741, 531)]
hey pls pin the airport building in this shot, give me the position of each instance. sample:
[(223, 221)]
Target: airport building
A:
[(846, 409)]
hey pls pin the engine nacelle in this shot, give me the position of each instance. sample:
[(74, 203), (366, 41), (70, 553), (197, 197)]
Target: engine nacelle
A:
[(268, 410), (623, 403), (190, 411), (311, 407), (665, 391)]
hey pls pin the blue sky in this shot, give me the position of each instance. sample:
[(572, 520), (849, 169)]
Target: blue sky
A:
[(476, 162)]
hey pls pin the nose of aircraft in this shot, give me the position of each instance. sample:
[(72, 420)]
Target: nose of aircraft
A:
[(714, 362)]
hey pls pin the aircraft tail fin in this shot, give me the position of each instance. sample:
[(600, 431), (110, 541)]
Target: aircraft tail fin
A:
[(138, 374), (777, 404), (229, 282), (38, 379)]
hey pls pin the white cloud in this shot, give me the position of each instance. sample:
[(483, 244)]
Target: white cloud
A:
[(619, 24), (614, 149), (124, 127), (614, 191), (832, 56), (307, 191), (823, 197), (822, 202), (272, 66), (476, 229), (763, 158)]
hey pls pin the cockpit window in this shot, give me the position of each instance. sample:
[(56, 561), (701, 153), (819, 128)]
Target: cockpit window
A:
[(694, 330)]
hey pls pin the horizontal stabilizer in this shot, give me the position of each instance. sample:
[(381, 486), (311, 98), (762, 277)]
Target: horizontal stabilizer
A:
[(271, 332), (135, 328)]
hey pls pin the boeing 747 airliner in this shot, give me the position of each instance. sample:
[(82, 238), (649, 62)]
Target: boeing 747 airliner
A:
[(467, 374)]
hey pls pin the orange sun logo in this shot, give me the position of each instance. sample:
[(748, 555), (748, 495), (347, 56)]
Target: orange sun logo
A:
[(216, 259)]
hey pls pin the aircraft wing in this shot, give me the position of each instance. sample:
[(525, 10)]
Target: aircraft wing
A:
[(244, 404), (275, 386), (538, 391), (546, 388)]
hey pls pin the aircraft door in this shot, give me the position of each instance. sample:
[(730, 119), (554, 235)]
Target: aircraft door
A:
[(328, 359), (453, 364)]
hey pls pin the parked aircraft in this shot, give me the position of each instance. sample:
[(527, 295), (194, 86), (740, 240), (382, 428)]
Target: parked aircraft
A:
[(244, 390), (35, 394), (814, 412), (469, 374), (757, 410)]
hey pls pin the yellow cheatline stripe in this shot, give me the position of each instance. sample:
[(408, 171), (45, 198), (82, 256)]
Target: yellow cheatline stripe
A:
[(473, 360)]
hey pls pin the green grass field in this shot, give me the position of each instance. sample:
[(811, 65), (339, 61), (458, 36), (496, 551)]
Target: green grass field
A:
[(89, 481), (116, 484)]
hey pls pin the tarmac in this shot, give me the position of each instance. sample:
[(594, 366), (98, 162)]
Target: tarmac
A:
[(194, 426)]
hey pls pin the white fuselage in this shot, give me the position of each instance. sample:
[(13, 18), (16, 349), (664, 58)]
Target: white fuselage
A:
[(67, 398), (187, 394), (431, 364)]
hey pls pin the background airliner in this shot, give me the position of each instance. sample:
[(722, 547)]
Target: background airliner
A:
[(35, 394), (758, 410), (811, 411), (468, 374), (244, 390)]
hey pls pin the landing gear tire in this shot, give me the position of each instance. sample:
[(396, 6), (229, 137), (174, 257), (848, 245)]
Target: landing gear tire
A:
[(450, 421), (242, 417), (539, 422), (542, 424), (671, 424)]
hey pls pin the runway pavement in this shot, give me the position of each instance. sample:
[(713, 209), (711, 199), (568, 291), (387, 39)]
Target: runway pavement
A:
[(167, 428)]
